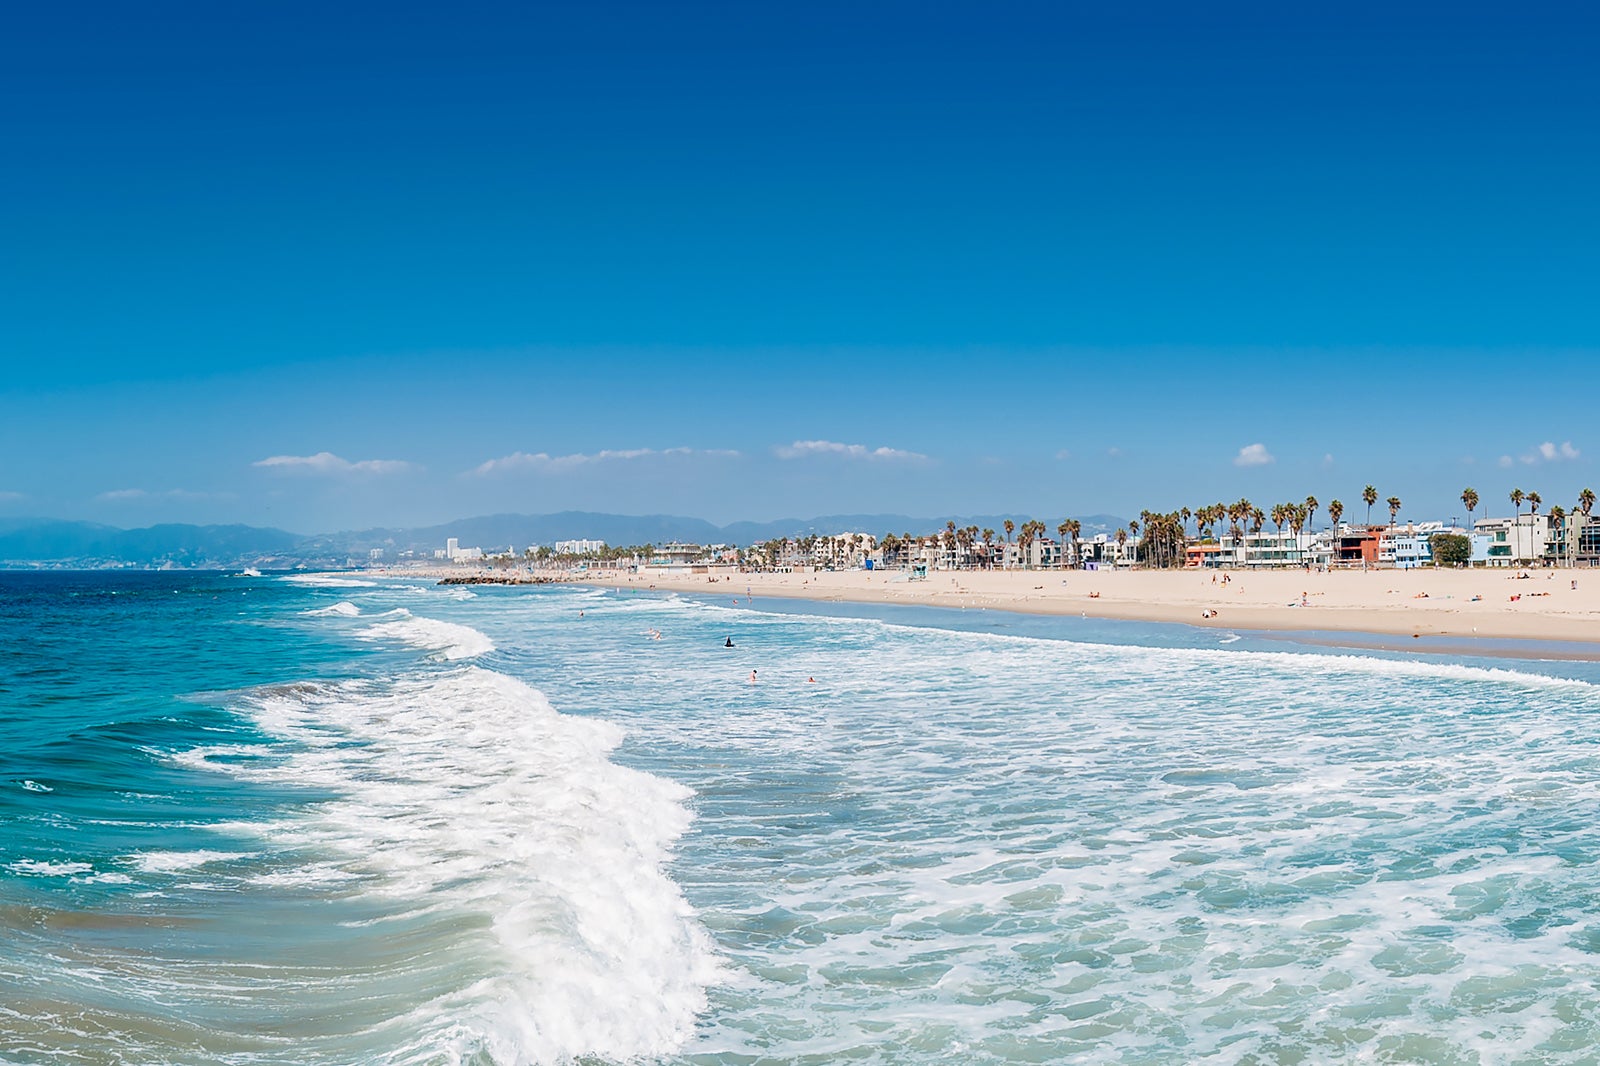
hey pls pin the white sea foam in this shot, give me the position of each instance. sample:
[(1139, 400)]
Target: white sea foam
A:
[(171, 862), (328, 581), (467, 794), (48, 868), (342, 609), (448, 639)]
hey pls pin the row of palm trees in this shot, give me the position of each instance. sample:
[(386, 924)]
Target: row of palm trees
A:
[(1162, 536)]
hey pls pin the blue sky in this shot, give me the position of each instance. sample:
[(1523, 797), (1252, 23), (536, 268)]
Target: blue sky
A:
[(396, 264)]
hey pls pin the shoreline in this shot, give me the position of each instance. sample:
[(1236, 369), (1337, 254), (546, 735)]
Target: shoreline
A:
[(1559, 607)]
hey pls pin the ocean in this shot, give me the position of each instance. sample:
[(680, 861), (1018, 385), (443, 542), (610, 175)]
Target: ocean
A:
[(320, 819)]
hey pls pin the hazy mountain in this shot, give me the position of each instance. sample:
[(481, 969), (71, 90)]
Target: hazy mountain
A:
[(49, 541)]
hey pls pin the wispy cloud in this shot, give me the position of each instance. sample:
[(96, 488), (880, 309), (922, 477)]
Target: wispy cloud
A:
[(806, 449), (543, 461), (11, 497), (134, 495), (1064, 455), (328, 463), (1253, 455)]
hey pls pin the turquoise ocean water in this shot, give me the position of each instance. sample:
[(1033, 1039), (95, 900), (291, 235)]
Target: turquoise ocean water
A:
[(332, 819)]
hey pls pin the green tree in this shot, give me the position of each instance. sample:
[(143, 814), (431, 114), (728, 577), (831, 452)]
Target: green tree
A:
[(1450, 549), (1369, 496), (1469, 500), (1394, 507)]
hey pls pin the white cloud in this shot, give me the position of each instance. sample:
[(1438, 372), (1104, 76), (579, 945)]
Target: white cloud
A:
[(1548, 452), (804, 449), (543, 461), (328, 463), (1505, 462), (1327, 461), (1063, 454), (1253, 455), (11, 497)]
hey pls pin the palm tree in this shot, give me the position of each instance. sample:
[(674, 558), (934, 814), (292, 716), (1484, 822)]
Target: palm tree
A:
[(1469, 500), (1369, 496), (1516, 500), (1335, 512), (1075, 527), (1062, 529), (988, 549), (1534, 500), (1311, 512), (1586, 501), (1394, 508), (1122, 543)]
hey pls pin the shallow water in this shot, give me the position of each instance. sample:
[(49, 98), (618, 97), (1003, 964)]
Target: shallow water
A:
[(259, 820)]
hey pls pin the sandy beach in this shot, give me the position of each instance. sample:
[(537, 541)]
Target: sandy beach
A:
[(1547, 605)]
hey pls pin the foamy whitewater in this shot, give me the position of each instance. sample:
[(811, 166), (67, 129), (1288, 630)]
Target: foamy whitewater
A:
[(346, 820)]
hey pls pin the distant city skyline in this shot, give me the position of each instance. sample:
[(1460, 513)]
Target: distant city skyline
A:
[(323, 269)]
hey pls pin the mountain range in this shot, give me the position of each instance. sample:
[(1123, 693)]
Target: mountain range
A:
[(26, 542)]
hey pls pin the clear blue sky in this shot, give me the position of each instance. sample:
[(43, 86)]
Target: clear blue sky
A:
[(1057, 258)]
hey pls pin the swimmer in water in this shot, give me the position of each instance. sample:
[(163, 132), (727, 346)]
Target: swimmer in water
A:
[(752, 677), (728, 643)]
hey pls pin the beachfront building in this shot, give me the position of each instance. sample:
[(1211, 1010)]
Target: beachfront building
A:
[(678, 558), (1408, 547), (1206, 555), (1102, 552), (580, 547), (455, 553), (1269, 549), (1574, 540), (674, 553), (1356, 546), (843, 551), (1515, 541)]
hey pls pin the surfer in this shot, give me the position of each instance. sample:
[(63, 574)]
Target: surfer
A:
[(728, 643)]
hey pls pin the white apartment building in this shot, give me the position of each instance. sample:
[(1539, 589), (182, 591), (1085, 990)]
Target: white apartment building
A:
[(1517, 540), (579, 547)]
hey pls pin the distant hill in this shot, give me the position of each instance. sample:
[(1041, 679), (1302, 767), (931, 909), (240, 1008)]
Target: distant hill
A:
[(52, 542)]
